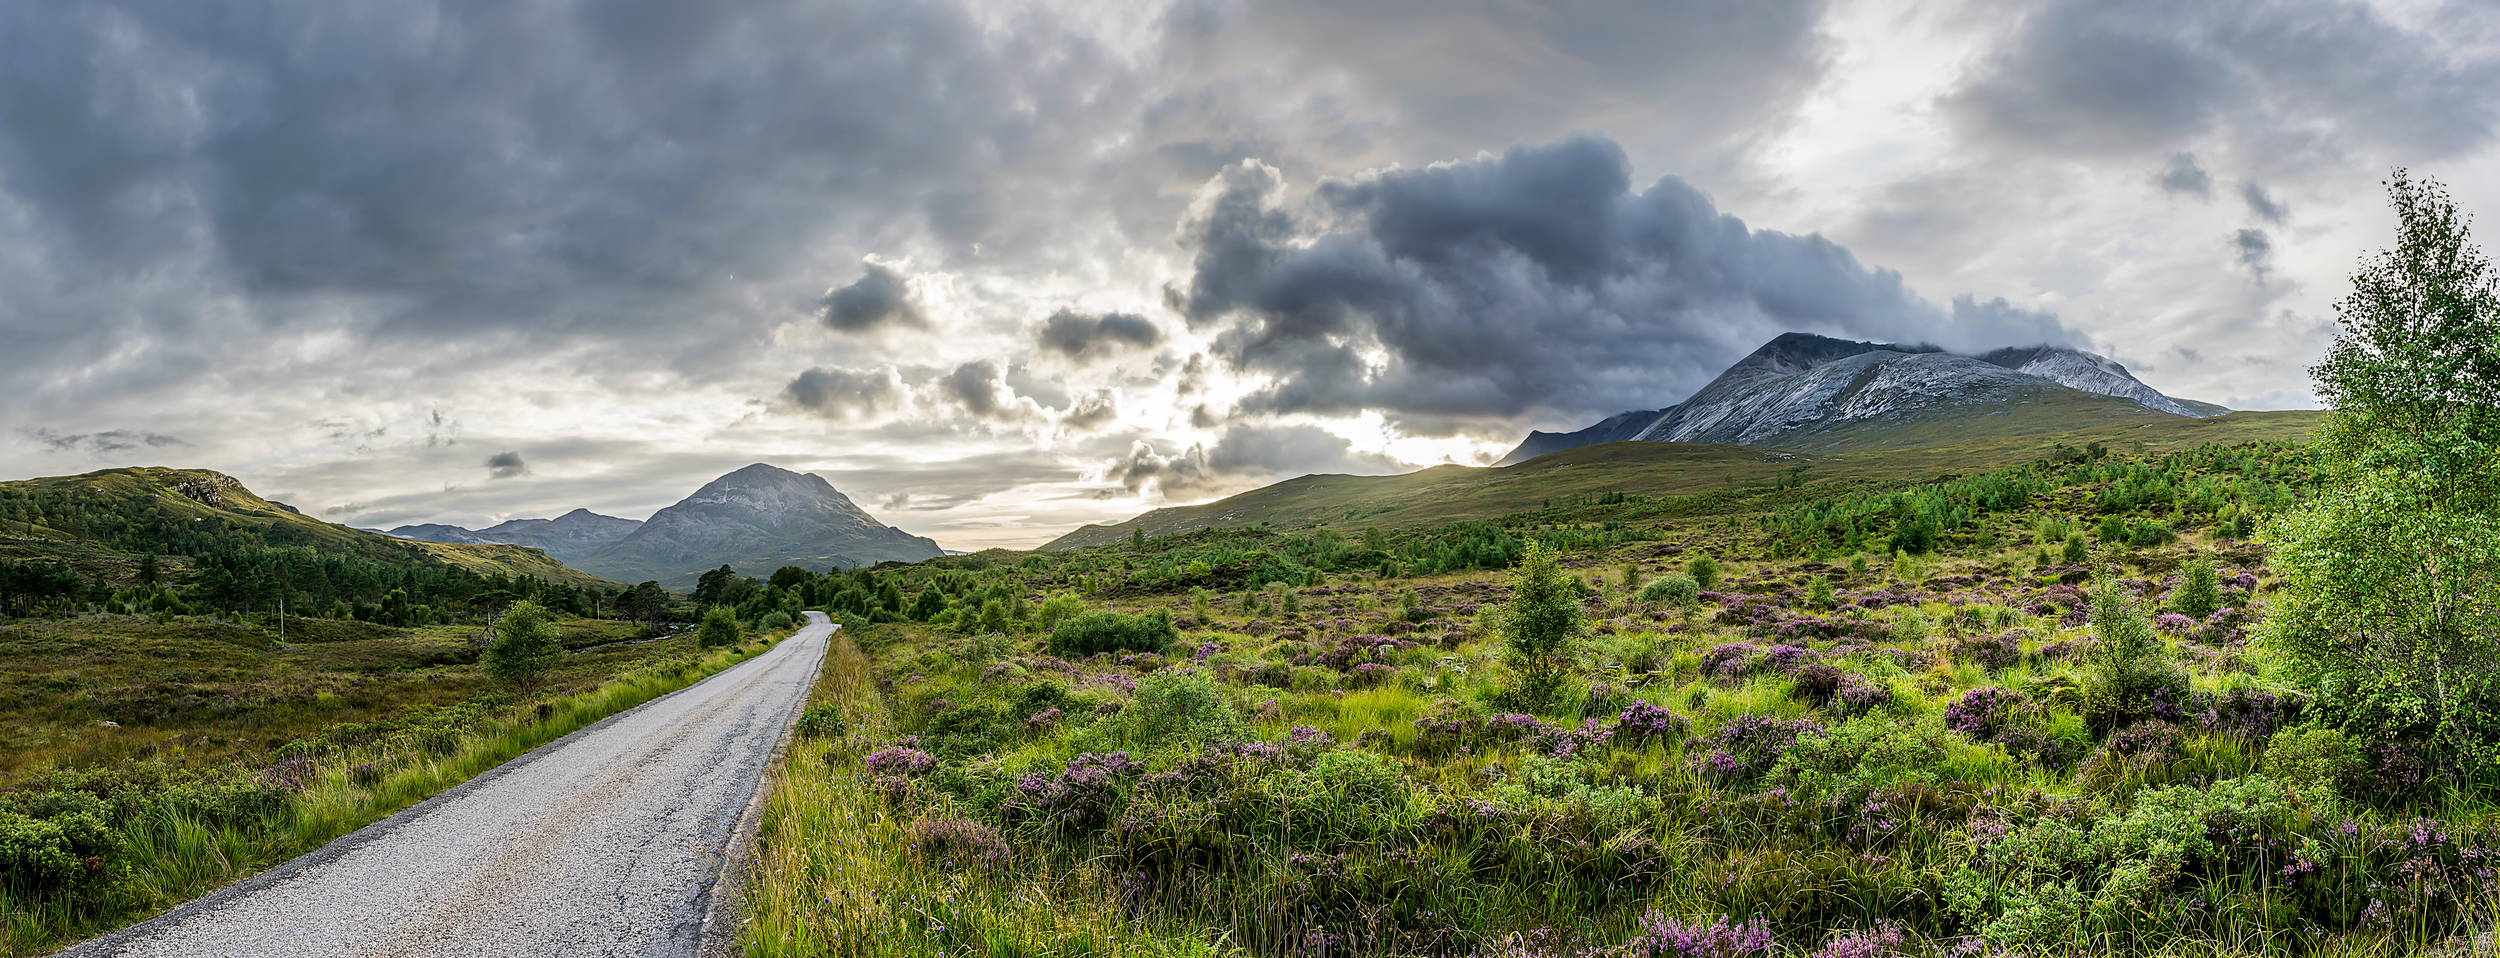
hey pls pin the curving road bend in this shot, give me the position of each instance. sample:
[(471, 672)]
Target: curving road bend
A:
[(608, 841)]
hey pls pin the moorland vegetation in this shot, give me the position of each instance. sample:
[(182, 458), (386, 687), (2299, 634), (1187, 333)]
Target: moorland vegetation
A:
[(2230, 699)]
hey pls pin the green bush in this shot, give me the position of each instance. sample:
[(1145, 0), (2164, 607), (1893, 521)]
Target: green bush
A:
[(1172, 708), (2315, 760), (2200, 593), (1094, 633), (1674, 588), (720, 628), (66, 852), (823, 721), (2128, 668), (1705, 572)]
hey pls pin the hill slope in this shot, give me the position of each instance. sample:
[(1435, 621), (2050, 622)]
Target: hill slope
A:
[(1445, 494), (101, 521), (755, 520)]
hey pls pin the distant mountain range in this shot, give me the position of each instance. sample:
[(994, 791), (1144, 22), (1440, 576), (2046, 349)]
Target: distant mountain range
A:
[(754, 520), (1815, 393), (571, 536)]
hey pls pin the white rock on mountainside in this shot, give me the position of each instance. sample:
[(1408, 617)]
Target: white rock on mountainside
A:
[(1806, 390)]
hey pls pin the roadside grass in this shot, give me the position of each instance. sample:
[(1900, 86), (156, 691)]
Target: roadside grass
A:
[(837, 872), (173, 856)]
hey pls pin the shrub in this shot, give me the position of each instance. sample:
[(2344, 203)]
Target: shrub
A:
[(2312, 759), (1171, 708), (953, 842), (2075, 552), (1819, 592), (60, 854), (719, 629), (1704, 571), (2200, 593), (1910, 626), (1644, 722), (1094, 633), (1996, 653), (2129, 669), (823, 721), (1675, 589), (1750, 745), (1062, 607)]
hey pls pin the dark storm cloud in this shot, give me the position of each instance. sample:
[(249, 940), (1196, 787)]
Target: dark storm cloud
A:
[(1082, 336), (881, 298), (2108, 76), (101, 443), (1534, 281), (2261, 205), (506, 464), (847, 393), (561, 171), (1243, 456), (2182, 177)]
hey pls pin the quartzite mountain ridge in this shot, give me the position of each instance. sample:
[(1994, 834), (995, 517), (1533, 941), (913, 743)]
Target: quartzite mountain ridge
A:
[(1809, 392)]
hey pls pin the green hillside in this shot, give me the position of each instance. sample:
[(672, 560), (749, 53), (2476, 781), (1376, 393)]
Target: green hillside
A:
[(1445, 494), (196, 540)]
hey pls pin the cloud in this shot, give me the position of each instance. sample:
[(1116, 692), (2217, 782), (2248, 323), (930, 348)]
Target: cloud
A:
[(506, 464), (1245, 456), (848, 394), (2182, 177), (102, 443), (1083, 337), (979, 388), (2262, 206), (2254, 248), (1474, 292), (1093, 410), (2087, 78), (881, 297)]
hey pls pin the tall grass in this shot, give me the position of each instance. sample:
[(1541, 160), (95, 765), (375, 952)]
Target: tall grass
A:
[(174, 858)]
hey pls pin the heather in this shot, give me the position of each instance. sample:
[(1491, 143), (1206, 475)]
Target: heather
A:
[(1985, 746)]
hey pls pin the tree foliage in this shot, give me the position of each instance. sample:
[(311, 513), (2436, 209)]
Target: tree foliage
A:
[(1541, 628), (525, 651), (2390, 602)]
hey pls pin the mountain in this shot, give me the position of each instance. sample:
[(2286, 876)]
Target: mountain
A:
[(755, 520), (572, 536), (1806, 392), (1620, 427), (1446, 494), (2093, 374), (438, 532)]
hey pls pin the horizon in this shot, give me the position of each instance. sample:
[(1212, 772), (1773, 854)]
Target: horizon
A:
[(999, 270)]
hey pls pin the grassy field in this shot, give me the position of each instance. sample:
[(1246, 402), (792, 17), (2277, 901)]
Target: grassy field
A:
[(1834, 754), (184, 755), (1444, 494)]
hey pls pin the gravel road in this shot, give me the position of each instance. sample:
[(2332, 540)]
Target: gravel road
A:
[(605, 842)]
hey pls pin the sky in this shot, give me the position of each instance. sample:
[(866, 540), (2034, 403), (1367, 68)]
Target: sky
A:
[(999, 269)]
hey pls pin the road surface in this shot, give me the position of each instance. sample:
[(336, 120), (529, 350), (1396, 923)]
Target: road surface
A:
[(605, 842)]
